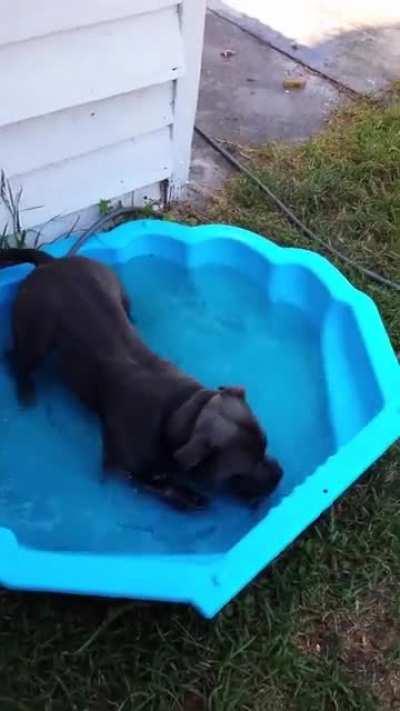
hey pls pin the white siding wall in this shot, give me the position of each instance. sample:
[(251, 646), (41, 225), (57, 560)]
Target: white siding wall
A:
[(97, 100)]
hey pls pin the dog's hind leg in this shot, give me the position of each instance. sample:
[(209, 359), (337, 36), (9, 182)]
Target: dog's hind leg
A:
[(126, 305), (32, 342)]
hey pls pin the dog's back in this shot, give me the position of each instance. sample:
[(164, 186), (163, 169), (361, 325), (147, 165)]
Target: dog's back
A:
[(153, 417), (78, 303), (75, 307)]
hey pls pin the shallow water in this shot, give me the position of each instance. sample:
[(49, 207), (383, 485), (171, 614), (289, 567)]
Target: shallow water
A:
[(214, 324)]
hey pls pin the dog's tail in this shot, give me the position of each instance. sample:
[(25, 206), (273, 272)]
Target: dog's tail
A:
[(14, 255)]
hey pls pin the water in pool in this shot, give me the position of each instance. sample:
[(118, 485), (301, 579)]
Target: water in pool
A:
[(214, 324)]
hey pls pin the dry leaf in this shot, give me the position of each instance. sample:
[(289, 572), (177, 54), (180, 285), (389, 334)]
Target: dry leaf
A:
[(295, 83), (228, 53)]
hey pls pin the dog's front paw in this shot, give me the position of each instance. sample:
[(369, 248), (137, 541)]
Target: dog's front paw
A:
[(183, 497), (26, 393), (187, 499), (179, 496)]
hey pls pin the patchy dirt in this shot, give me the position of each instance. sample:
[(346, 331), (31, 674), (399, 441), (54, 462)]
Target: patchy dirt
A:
[(367, 643), (193, 702)]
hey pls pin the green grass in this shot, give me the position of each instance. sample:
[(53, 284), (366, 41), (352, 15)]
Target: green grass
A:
[(320, 629)]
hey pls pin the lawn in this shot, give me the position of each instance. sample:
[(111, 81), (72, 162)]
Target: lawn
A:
[(320, 629)]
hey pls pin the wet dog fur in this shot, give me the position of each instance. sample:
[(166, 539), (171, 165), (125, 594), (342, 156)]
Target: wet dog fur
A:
[(157, 422)]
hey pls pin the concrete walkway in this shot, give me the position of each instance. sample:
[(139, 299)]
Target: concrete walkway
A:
[(337, 48)]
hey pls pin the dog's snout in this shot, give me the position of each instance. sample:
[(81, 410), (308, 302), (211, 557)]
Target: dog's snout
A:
[(267, 476), (275, 471), (260, 483)]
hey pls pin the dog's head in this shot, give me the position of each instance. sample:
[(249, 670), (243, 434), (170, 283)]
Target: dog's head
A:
[(221, 440)]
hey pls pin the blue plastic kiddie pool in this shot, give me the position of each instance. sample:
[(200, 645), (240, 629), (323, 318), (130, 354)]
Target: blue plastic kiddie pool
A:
[(230, 308)]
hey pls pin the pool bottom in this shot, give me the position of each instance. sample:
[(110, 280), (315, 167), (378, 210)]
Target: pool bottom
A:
[(214, 324)]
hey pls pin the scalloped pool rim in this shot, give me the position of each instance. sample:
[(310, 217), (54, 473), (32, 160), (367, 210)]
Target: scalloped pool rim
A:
[(209, 581)]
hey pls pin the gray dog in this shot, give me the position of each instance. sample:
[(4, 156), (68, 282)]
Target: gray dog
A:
[(171, 433)]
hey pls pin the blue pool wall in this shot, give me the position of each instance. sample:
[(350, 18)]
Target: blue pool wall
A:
[(209, 581)]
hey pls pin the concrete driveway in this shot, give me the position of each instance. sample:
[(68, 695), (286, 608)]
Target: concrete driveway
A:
[(337, 48), (356, 42)]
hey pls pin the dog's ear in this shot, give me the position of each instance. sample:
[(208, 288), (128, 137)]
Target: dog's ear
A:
[(180, 424), (233, 390), (193, 452)]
